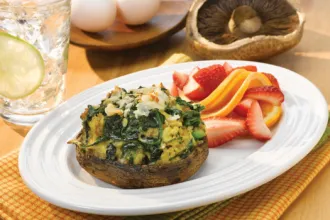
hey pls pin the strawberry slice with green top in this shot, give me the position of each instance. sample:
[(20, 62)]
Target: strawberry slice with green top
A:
[(222, 130), (180, 79), (269, 94), (255, 123)]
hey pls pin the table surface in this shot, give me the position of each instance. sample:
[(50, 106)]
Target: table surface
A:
[(311, 58)]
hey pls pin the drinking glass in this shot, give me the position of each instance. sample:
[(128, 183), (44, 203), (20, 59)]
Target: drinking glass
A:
[(45, 25)]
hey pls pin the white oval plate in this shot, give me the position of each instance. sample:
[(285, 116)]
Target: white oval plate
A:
[(49, 168)]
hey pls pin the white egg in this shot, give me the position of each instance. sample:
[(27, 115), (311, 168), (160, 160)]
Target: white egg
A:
[(136, 12), (93, 15)]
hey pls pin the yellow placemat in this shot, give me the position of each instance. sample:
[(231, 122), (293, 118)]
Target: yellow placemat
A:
[(269, 201)]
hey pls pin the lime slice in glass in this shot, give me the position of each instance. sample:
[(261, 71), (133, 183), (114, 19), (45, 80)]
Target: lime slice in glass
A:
[(21, 67)]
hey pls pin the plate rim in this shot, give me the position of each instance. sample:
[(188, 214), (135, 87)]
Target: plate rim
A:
[(159, 209)]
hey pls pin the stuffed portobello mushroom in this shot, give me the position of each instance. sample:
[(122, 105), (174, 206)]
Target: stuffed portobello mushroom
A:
[(142, 138)]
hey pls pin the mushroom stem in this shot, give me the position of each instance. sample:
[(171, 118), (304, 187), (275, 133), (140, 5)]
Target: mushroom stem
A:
[(251, 26), (244, 20)]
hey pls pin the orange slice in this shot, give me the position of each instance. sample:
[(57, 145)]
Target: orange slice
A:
[(272, 114), (220, 96), (234, 93)]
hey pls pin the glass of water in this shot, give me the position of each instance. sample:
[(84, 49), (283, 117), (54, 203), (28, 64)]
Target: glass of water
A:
[(35, 36)]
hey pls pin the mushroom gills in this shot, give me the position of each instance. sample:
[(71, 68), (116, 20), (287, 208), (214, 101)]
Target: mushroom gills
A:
[(224, 22)]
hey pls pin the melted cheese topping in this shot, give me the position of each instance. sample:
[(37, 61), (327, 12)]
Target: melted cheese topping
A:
[(151, 98), (112, 110), (145, 99)]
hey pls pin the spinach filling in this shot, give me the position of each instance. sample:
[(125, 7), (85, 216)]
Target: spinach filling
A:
[(130, 150), (173, 111), (132, 134), (113, 127), (184, 154), (91, 112), (131, 131), (154, 120), (191, 117), (111, 152), (195, 107), (134, 131)]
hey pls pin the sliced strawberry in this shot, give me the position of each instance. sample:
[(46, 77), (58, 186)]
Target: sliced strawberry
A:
[(272, 79), (193, 90), (195, 70), (228, 68), (180, 79), (234, 115), (222, 130), (255, 123), (183, 96), (210, 77), (248, 68), (243, 107), (269, 94), (174, 90)]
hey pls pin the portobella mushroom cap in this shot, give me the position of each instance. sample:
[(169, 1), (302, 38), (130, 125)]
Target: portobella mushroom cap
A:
[(241, 29)]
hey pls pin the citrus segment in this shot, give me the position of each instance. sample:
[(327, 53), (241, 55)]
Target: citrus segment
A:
[(253, 79), (272, 114), (222, 94)]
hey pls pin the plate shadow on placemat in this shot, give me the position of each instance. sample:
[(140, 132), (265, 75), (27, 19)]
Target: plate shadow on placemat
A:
[(170, 19)]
